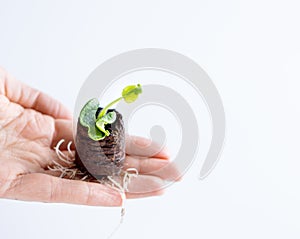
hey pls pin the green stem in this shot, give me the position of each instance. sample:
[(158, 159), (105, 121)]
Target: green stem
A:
[(104, 110)]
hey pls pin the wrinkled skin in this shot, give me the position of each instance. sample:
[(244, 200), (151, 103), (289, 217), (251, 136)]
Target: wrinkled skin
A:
[(31, 123)]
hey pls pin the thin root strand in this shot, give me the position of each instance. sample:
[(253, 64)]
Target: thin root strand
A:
[(72, 172)]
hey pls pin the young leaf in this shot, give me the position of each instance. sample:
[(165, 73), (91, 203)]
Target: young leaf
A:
[(130, 93), (94, 133), (110, 117), (88, 113), (96, 126), (101, 127), (87, 118)]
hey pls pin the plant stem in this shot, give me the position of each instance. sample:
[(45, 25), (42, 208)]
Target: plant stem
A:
[(104, 110)]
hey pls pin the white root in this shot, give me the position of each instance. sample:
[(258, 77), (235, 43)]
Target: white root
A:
[(123, 196), (84, 178), (130, 172), (72, 172), (71, 154), (124, 187), (64, 158)]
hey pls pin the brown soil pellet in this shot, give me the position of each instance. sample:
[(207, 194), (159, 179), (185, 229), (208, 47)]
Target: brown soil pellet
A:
[(104, 157)]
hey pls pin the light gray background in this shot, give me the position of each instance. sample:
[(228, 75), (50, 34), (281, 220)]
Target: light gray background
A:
[(251, 51)]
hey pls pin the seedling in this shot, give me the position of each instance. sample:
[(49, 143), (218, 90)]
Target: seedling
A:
[(97, 124)]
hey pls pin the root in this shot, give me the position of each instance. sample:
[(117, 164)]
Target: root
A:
[(124, 187), (69, 170), (67, 166), (122, 190)]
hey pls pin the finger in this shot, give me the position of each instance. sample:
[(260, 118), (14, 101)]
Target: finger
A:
[(144, 195), (129, 195), (140, 146), (63, 130), (145, 186), (164, 169), (46, 188), (28, 97), (136, 191)]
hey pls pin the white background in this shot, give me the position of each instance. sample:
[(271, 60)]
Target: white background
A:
[(251, 51)]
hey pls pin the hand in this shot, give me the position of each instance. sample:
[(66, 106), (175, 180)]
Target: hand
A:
[(31, 123)]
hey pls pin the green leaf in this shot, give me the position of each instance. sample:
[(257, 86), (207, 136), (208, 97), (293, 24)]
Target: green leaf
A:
[(94, 133), (88, 113), (96, 127), (101, 126), (87, 118), (130, 93), (109, 118)]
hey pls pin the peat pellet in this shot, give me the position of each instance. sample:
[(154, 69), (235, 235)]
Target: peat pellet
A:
[(104, 157)]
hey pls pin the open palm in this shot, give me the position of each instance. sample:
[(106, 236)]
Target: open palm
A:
[(31, 123)]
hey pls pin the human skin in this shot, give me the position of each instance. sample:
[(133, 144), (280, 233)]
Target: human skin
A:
[(31, 123)]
